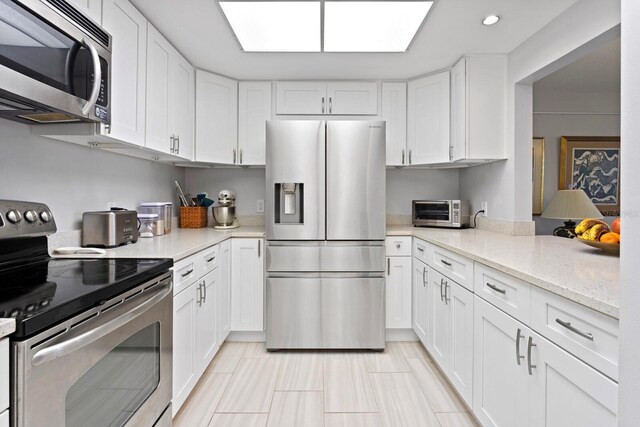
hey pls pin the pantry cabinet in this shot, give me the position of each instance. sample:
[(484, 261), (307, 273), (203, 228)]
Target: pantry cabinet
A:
[(394, 113), (247, 285), (428, 119), (326, 98), (91, 8), (216, 118), (254, 109)]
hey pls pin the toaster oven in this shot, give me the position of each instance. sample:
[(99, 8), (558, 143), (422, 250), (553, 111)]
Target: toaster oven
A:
[(440, 213)]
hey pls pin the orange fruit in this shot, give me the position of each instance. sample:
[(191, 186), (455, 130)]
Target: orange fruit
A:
[(615, 225), (610, 238)]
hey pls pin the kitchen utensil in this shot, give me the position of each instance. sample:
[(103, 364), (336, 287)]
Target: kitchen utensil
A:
[(206, 202), (610, 248), (224, 215), (183, 199)]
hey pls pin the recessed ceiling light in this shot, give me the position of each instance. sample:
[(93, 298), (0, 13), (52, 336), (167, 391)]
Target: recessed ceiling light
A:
[(490, 20), (372, 26), (275, 26)]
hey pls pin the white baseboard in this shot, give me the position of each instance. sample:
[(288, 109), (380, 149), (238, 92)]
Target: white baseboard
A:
[(246, 336), (401, 335)]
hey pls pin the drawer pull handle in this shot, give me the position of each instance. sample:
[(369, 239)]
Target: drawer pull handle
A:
[(397, 245), (529, 365), (497, 289), (187, 273), (420, 249), (447, 263), (519, 336), (587, 335), (211, 259)]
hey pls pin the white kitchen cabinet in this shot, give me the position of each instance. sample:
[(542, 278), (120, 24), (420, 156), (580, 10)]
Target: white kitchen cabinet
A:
[(247, 285), (428, 119), (337, 98), (420, 300), (207, 343), (91, 8), (223, 319), (398, 292), (394, 113), (128, 29), (216, 118), (4, 419), (478, 108), (254, 109), (4, 374), (438, 333), (185, 376), (182, 105)]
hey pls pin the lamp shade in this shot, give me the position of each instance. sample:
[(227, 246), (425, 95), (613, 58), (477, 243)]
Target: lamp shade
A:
[(571, 204)]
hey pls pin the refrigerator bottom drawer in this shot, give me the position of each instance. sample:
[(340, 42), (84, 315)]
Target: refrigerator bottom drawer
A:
[(329, 313)]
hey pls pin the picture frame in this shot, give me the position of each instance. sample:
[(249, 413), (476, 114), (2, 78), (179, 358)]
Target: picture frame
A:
[(592, 164), (537, 205)]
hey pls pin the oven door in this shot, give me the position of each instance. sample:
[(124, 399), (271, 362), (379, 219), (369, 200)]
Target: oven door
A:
[(432, 212), (110, 366)]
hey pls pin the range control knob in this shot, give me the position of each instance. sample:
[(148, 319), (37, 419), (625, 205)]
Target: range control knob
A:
[(14, 216), (45, 216), (31, 216)]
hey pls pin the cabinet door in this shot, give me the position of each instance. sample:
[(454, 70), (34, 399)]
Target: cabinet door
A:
[(158, 117), (182, 106), (254, 109), (428, 119), (128, 27), (223, 320), (460, 363), (247, 285), (398, 293), (438, 335), (420, 300), (91, 8), (206, 338), (4, 419), (567, 392), (301, 98), (216, 118), (500, 379), (184, 344), (352, 98), (394, 112), (459, 110), (4, 373)]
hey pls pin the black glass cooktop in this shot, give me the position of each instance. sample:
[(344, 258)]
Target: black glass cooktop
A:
[(42, 293)]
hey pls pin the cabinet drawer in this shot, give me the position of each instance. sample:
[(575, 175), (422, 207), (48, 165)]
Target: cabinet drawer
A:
[(4, 375), (421, 249), (509, 294), (587, 334), (208, 259), (398, 246), (185, 272), (454, 266)]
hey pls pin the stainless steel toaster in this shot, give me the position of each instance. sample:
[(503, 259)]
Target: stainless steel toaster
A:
[(108, 229)]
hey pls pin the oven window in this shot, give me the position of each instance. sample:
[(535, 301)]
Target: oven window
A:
[(433, 211), (115, 387)]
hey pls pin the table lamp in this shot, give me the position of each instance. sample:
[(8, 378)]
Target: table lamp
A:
[(568, 205)]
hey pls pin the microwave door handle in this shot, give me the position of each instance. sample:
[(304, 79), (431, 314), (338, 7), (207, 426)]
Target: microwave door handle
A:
[(93, 334), (97, 78)]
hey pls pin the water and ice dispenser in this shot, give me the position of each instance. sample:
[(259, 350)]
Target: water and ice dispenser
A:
[(289, 203)]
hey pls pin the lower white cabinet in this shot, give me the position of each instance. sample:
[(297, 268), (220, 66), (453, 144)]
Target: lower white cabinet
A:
[(398, 292), (420, 300), (223, 300), (207, 343), (4, 375), (4, 419), (247, 285), (185, 306)]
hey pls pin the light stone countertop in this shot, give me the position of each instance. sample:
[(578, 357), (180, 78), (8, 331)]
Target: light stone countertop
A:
[(7, 327), (561, 266)]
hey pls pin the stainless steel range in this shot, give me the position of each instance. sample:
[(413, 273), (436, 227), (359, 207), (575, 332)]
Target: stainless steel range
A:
[(325, 228), (93, 340)]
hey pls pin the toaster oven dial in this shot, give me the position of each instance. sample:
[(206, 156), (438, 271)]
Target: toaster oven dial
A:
[(14, 216), (31, 216)]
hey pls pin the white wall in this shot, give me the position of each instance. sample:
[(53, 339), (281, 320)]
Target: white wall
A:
[(403, 186), (630, 177), (72, 179)]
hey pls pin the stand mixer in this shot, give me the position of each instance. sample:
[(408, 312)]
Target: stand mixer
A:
[(224, 213)]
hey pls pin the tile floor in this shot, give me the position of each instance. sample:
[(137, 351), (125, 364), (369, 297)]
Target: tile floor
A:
[(246, 386)]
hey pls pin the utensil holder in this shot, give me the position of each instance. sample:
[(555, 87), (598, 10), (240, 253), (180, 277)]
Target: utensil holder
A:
[(193, 217)]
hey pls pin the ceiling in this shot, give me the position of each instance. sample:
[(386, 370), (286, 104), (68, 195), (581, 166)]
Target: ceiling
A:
[(453, 28)]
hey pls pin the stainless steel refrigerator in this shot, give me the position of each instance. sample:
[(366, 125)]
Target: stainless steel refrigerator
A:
[(325, 225)]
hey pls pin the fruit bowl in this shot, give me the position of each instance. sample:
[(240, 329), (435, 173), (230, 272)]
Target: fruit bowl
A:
[(610, 248)]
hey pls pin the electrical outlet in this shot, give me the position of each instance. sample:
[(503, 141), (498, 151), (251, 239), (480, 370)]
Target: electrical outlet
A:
[(260, 206), (484, 207)]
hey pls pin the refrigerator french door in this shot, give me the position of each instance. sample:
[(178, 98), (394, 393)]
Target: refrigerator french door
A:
[(325, 234)]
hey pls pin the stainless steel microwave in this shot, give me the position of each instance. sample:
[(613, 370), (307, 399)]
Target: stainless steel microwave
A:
[(440, 213), (54, 64)]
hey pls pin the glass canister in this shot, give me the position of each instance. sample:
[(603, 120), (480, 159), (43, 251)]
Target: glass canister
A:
[(163, 210), (148, 224), (168, 212)]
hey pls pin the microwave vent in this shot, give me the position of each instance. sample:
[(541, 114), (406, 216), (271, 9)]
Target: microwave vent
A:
[(50, 118), (80, 20)]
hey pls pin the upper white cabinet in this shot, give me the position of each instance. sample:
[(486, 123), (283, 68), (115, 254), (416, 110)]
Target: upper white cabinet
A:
[(254, 109), (128, 29), (91, 8), (394, 113), (247, 285), (428, 120), (478, 108), (337, 98), (216, 118), (170, 87)]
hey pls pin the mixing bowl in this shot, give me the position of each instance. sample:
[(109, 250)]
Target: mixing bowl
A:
[(224, 215)]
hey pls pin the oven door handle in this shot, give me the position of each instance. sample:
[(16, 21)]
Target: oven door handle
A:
[(97, 78), (73, 344)]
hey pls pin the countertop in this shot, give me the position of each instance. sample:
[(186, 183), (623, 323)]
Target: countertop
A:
[(7, 327), (562, 266)]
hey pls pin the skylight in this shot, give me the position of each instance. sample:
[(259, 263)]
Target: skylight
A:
[(349, 26)]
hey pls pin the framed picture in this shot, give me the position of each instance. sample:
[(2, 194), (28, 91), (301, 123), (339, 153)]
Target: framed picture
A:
[(538, 176), (592, 164)]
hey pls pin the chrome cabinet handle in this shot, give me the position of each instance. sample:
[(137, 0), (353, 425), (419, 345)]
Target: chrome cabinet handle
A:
[(424, 273), (211, 259), (234, 156), (172, 149), (451, 152), (403, 157), (447, 263), (441, 294), (97, 78), (330, 106), (241, 156), (199, 294), (204, 290), (409, 156), (178, 144), (519, 336), (497, 289), (187, 273), (529, 365), (446, 292), (323, 105), (388, 266), (420, 249), (587, 335), (259, 244)]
